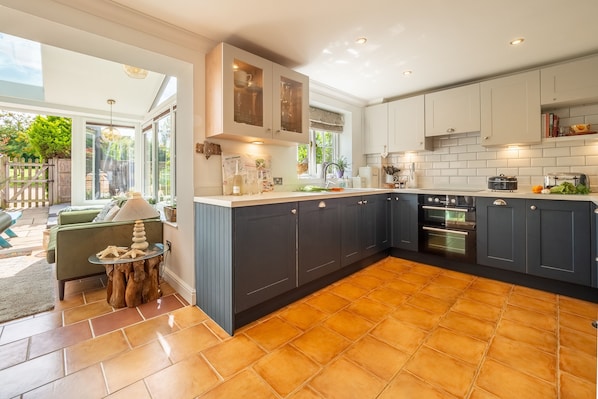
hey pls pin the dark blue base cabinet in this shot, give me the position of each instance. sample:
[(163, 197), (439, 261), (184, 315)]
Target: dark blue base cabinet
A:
[(545, 238)]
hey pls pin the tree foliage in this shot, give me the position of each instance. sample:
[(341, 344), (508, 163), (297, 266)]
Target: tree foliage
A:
[(14, 142), (50, 136)]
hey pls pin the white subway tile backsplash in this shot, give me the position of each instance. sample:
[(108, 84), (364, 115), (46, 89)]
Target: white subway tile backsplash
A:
[(458, 149), (556, 152), (530, 171), (487, 172), (468, 156), (519, 162), (543, 161), (458, 164), (530, 153), (486, 155), (585, 150), (497, 163), (507, 171), (476, 164), (584, 110), (449, 157)]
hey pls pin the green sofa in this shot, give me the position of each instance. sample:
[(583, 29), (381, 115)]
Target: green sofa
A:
[(76, 237)]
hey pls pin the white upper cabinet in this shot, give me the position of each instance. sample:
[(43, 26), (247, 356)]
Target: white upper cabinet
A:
[(249, 98), (571, 82), (406, 125), (452, 111), (510, 110), (376, 129)]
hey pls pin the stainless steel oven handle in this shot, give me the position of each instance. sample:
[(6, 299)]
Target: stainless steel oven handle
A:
[(442, 208), (463, 233)]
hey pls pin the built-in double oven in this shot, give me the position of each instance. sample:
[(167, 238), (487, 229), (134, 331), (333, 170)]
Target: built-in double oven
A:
[(447, 226)]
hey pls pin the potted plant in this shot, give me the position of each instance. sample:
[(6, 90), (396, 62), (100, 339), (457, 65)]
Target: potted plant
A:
[(170, 212), (343, 164)]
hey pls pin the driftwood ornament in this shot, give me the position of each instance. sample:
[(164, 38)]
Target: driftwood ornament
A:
[(208, 149)]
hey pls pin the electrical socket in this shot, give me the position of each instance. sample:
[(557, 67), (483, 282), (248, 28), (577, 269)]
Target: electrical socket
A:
[(277, 181), (169, 245)]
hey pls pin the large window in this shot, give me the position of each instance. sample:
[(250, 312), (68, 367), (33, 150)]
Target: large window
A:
[(109, 161), (322, 148), (159, 172)]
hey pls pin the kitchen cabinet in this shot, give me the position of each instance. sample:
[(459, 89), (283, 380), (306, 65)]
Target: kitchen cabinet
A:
[(364, 226), (319, 244), (510, 107), (452, 111), (249, 98), (376, 129), (406, 130), (559, 240), (501, 238), (570, 82), (404, 211)]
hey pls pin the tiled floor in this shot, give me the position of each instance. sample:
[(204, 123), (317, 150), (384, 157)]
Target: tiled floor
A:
[(397, 329)]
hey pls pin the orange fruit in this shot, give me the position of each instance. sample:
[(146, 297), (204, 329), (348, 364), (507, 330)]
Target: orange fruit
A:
[(537, 189)]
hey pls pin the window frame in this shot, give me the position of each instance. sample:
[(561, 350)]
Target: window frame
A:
[(313, 171)]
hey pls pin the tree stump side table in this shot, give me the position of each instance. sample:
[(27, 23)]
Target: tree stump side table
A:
[(132, 282)]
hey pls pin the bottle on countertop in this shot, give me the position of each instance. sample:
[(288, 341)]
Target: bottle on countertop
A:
[(237, 181)]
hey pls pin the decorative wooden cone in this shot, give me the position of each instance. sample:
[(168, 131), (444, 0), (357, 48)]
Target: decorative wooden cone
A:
[(139, 241)]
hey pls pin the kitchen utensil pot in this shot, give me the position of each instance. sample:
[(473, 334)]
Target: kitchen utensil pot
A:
[(502, 183)]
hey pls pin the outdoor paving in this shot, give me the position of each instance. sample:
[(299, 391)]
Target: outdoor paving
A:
[(29, 230)]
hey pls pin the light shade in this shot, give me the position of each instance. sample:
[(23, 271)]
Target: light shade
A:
[(135, 72), (136, 208)]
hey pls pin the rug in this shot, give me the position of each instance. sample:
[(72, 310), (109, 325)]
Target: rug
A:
[(26, 287)]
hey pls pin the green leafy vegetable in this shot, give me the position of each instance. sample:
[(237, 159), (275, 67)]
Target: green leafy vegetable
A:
[(569, 188)]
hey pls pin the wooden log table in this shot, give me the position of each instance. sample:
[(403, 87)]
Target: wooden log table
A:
[(132, 282)]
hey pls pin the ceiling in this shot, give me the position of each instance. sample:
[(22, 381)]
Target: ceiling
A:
[(442, 42)]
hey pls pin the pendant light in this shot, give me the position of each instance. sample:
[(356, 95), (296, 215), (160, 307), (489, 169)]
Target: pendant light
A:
[(110, 133), (135, 72)]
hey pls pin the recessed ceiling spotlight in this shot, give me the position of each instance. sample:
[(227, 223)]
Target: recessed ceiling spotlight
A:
[(407, 73), (258, 142), (361, 40), (517, 41)]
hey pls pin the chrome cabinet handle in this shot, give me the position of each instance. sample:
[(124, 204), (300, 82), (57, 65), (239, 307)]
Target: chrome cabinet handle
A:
[(294, 211), (359, 202), (462, 233), (533, 207), (450, 130), (441, 208), (322, 204), (499, 202), (365, 202)]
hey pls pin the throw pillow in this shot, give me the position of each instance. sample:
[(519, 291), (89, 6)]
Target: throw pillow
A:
[(112, 213), (102, 215)]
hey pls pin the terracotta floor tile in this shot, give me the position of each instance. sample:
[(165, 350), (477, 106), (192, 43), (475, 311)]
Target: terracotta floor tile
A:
[(466, 348), (348, 324), (476, 309), (166, 304), (134, 365), (478, 393), (458, 275), (87, 311), (272, 333), (388, 296), (578, 364), (369, 309), (377, 357), (379, 273), (115, 320), (540, 339), (414, 279), (493, 286), (85, 384), (29, 327), (345, 380), (426, 270), (535, 304), (542, 321), (577, 340), (59, 338), (348, 291), (239, 385), (136, 391), (535, 294), (95, 295), (468, 325), (406, 287), (369, 281), (574, 388), (302, 315), (525, 358), (441, 292), (189, 341), (578, 307), (489, 298), (456, 283), (142, 333), (306, 393), (406, 385), (396, 265), (188, 316), (579, 323), (232, 355), (31, 374), (216, 329), (493, 378), (399, 335), (69, 303), (431, 304), (186, 379), (418, 317), (91, 351), (442, 371), (13, 353), (327, 302), (285, 369), (321, 344)]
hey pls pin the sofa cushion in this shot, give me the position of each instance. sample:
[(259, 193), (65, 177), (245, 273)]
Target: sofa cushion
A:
[(104, 212), (112, 213)]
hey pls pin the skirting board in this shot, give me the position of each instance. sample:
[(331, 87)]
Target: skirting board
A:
[(182, 288)]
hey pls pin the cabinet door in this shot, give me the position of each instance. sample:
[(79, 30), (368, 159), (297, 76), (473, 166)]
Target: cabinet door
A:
[(264, 253), (453, 111), (404, 221), (571, 82), (351, 248), (406, 125), (290, 105), (375, 218), (376, 129), (319, 248), (558, 240), (501, 233), (510, 110)]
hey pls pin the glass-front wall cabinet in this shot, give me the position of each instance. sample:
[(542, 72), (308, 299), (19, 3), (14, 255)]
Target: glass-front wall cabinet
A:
[(248, 93)]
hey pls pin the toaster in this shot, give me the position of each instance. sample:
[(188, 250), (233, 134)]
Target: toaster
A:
[(554, 179)]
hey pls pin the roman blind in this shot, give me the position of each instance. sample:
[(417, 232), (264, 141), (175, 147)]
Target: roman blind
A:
[(323, 119)]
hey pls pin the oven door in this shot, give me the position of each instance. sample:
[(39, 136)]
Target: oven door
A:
[(458, 218), (448, 243)]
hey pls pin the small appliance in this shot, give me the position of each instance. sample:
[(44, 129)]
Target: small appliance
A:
[(502, 183), (554, 179)]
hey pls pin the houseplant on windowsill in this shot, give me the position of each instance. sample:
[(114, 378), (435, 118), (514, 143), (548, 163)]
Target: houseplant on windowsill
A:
[(170, 212), (343, 164)]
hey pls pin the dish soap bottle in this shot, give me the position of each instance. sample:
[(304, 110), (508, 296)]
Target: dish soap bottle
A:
[(237, 181)]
